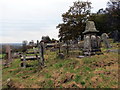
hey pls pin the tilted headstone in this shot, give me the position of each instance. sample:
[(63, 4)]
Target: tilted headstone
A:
[(41, 52), (105, 37), (91, 44), (8, 54)]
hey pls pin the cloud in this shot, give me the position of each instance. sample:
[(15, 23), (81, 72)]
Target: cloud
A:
[(16, 35), (31, 19)]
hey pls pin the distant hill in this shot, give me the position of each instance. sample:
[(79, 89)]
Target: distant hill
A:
[(11, 44)]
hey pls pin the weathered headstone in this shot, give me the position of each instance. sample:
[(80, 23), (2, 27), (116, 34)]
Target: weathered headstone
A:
[(91, 45), (23, 64), (24, 46), (105, 37), (116, 36), (8, 54), (24, 49), (99, 41), (41, 52), (87, 45), (37, 43)]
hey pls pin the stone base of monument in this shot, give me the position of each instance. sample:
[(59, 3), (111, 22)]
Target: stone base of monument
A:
[(93, 52), (30, 58), (80, 56), (113, 50), (31, 52)]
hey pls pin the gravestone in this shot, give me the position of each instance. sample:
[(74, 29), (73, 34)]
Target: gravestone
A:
[(41, 52), (24, 49), (94, 43), (105, 37), (87, 45), (8, 54), (37, 43), (116, 36), (23, 64), (91, 42), (99, 41), (24, 46)]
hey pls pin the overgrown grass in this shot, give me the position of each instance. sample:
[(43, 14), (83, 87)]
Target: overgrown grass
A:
[(55, 73)]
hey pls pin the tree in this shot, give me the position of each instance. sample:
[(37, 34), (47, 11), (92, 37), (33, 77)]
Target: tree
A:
[(113, 10), (46, 39), (100, 20), (74, 21), (108, 20)]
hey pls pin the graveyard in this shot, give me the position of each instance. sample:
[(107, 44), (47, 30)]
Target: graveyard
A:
[(99, 71), (60, 65), (42, 50)]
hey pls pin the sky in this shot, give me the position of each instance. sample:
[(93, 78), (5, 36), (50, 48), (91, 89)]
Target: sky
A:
[(31, 19)]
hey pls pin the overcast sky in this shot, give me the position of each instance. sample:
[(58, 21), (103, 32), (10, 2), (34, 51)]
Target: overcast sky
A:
[(31, 19)]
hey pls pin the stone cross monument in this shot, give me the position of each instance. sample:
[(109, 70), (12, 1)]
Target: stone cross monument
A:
[(91, 43), (41, 53), (24, 49)]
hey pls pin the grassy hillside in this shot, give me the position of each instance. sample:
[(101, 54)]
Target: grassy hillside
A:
[(99, 71)]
